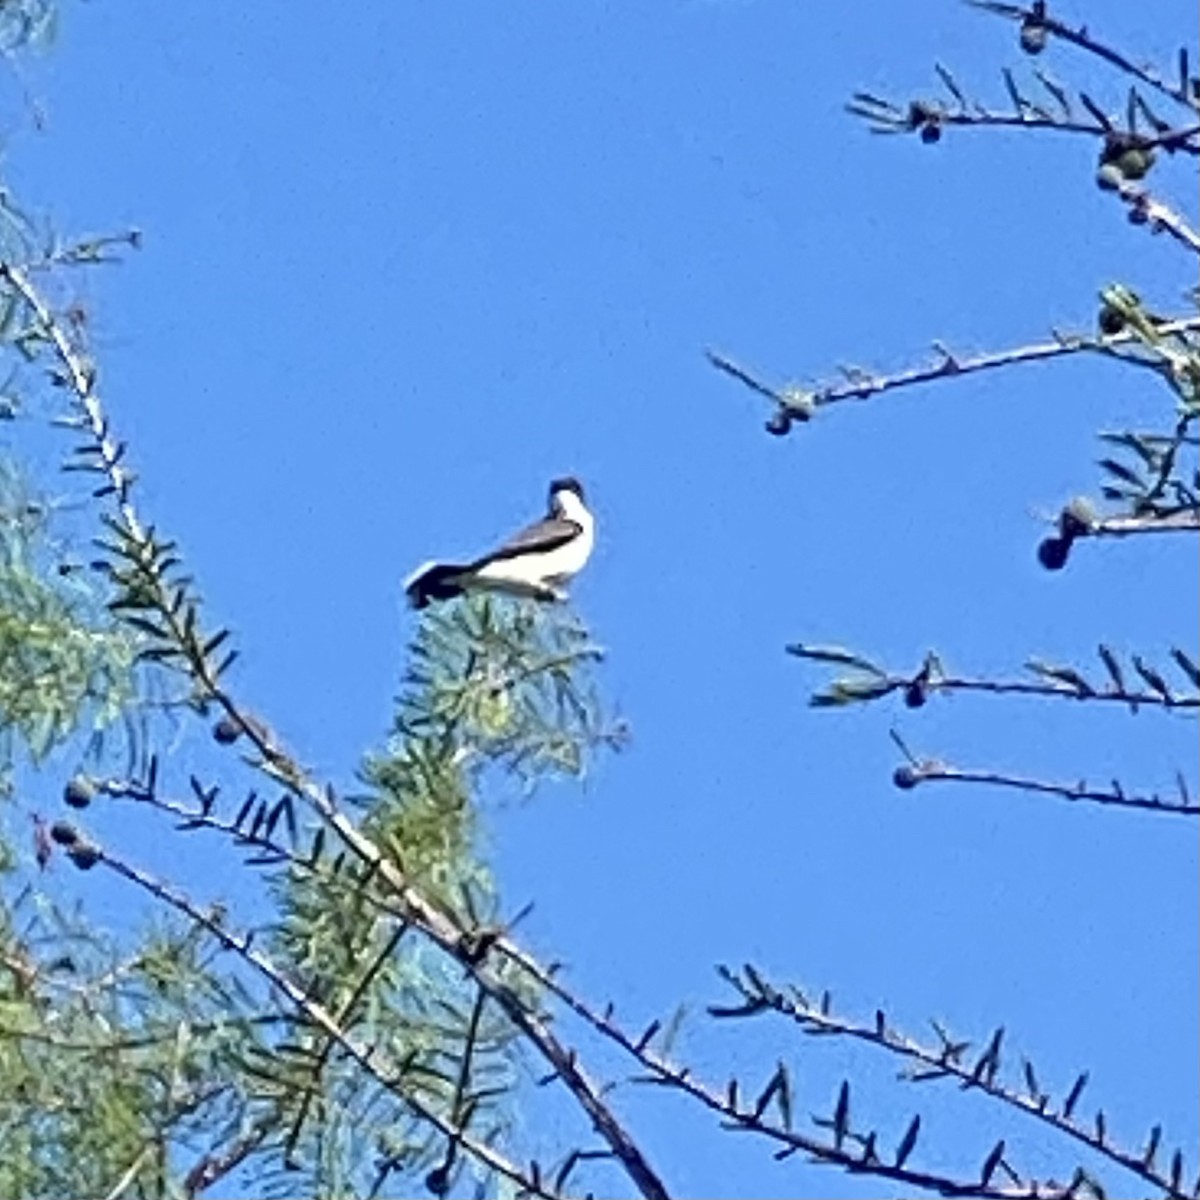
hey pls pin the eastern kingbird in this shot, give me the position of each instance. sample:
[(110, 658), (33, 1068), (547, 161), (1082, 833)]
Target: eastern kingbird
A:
[(535, 562)]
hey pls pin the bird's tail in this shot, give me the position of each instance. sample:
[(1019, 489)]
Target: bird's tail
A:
[(434, 581)]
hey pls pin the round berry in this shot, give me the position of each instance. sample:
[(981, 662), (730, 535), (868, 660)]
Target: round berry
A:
[(79, 791), (1135, 162), (226, 731), (84, 855), (1052, 553), (64, 833), (1034, 36)]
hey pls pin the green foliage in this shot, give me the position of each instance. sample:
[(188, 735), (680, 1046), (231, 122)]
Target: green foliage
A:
[(491, 682), (26, 23), (498, 690), (507, 682), (106, 1058), (63, 665)]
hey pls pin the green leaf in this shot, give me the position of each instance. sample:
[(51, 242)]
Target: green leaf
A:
[(1152, 677), (1187, 665), (1124, 473), (834, 654), (908, 1141), (1063, 675), (1112, 666)]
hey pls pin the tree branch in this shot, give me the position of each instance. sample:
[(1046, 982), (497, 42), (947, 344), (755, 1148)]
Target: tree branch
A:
[(1082, 38), (367, 1057), (800, 403), (911, 774), (944, 1062)]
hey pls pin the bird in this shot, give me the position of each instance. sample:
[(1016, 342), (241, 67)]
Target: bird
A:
[(536, 562)]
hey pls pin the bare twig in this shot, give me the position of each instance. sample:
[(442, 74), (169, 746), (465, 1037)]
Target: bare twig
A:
[(870, 682), (1156, 215), (852, 1152), (863, 385), (342, 1016), (946, 1061), (1184, 521), (210, 1168), (930, 771), (1087, 41)]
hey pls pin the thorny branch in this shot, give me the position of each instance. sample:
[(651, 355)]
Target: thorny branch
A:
[(369, 1058), (1187, 521), (918, 771), (1035, 15), (854, 1152), (800, 404), (868, 681), (947, 1061)]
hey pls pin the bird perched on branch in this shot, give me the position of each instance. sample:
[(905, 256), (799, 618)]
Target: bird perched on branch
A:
[(536, 562)]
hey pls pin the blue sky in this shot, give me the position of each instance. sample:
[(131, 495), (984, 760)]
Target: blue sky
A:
[(404, 264)]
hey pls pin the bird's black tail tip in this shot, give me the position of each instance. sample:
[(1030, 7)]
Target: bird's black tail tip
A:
[(434, 581)]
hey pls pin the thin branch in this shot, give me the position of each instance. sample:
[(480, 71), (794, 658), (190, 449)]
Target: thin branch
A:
[(1184, 521), (871, 682), (666, 1074), (122, 1045), (131, 1172), (928, 771), (343, 1014), (82, 379), (1156, 215), (945, 1061), (459, 1109), (1085, 40), (367, 1057), (862, 385), (928, 118), (212, 1167), (1021, 687)]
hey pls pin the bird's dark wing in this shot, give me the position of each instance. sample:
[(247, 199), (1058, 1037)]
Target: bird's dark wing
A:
[(542, 536)]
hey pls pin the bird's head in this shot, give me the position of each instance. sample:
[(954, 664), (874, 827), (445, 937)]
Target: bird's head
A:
[(562, 489)]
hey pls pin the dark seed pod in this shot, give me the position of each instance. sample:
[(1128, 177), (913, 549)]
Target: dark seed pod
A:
[(905, 777), (438, 1181), (84, 855), (1135, 162), (64, 833), (1112, 320), (226, 731), (916, 694), (79, 791), (931, 132), (1034, 36), (1052, 553)]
